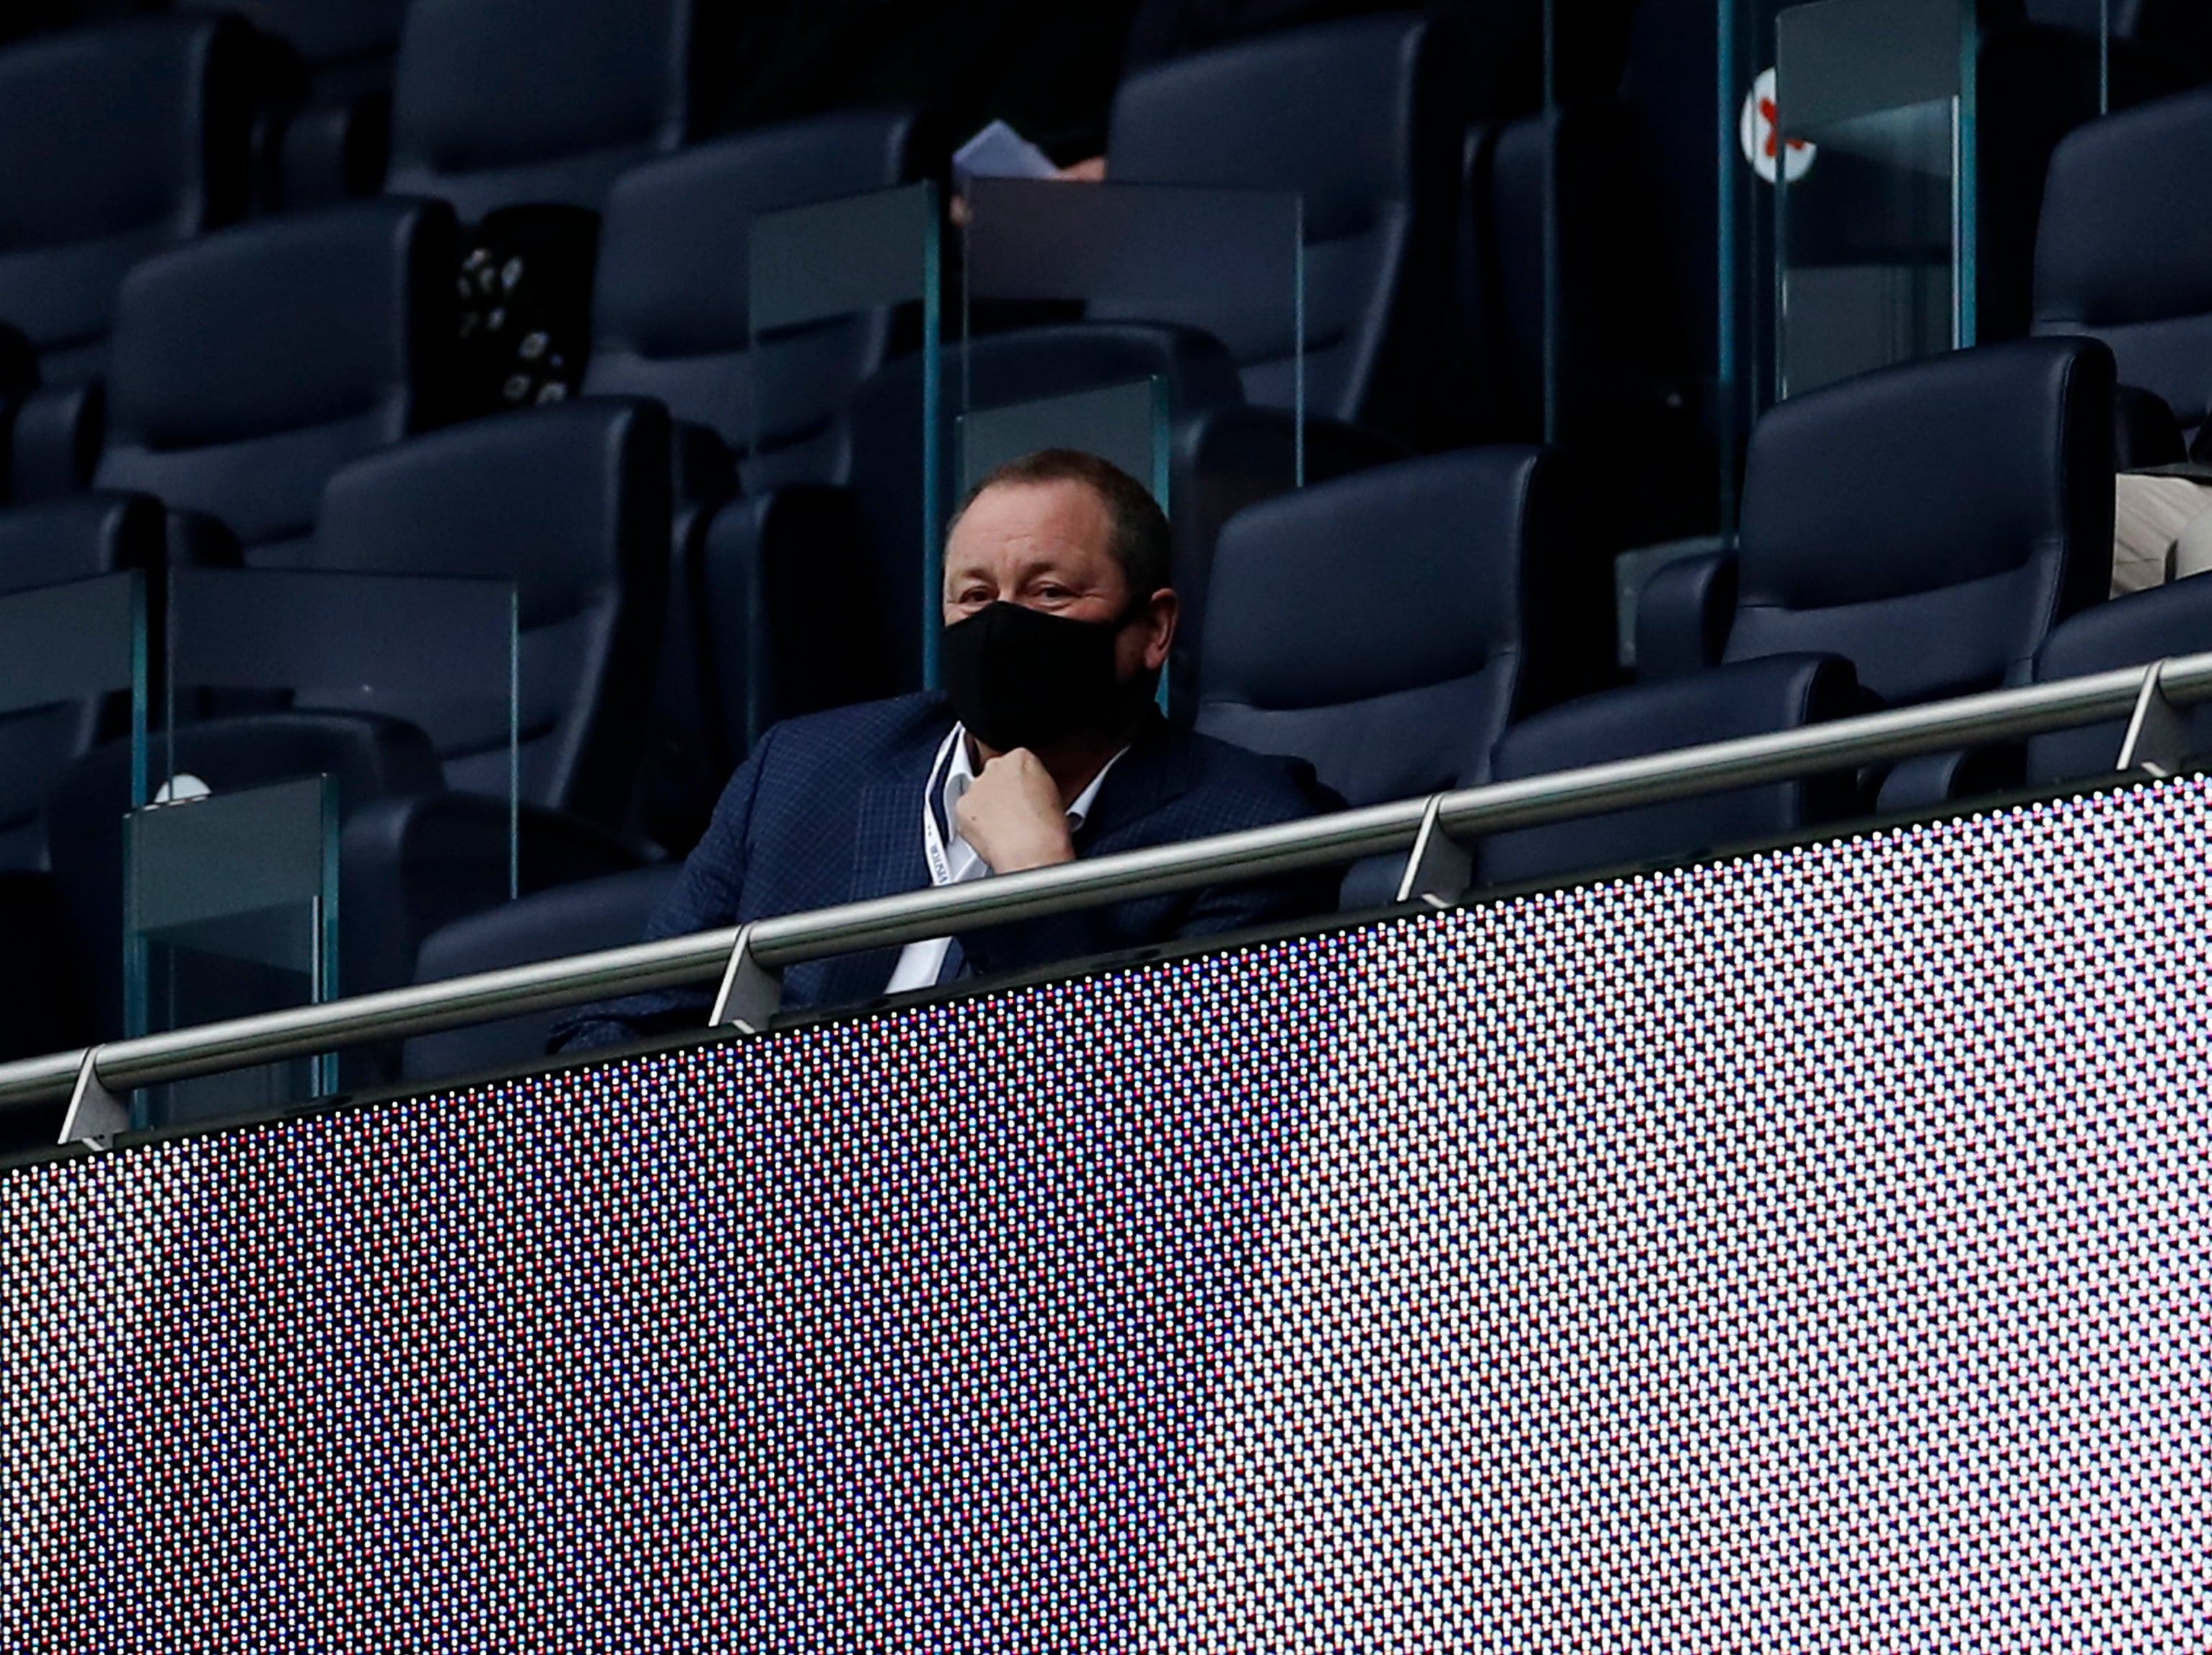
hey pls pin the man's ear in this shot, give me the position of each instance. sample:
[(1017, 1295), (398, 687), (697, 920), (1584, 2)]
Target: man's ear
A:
[(1162, 610)]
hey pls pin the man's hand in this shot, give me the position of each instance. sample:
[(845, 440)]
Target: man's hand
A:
[(1013, 816)]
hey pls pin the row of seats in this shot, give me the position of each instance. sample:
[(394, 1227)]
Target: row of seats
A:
[(1398, 629), (272, 384)]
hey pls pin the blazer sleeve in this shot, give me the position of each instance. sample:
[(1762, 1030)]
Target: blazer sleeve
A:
[(707, 894)]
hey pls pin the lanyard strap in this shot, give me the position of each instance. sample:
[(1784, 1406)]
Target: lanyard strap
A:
[(933, 832)]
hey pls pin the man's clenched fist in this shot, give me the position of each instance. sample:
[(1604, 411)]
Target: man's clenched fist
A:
[(1013, 814)]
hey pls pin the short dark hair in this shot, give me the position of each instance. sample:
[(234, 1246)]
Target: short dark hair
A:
[(1138, 535)]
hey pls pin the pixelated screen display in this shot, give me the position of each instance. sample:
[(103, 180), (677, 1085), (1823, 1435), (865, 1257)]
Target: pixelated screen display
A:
[(1808, 1251)]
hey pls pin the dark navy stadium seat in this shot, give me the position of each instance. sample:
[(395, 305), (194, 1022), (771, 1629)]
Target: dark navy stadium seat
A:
[(2115, 262), (504, 102), (327, 130), (1618, 364), (48, 546), (1749, 698), (252, 365), (570, 502), (1930, 523), (608, 912), (1361, 118), (2131, 631), (114, 144), (1387, 626), (669, 315)]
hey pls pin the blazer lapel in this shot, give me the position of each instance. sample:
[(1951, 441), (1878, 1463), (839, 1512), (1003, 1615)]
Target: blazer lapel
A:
[(1155, 771)]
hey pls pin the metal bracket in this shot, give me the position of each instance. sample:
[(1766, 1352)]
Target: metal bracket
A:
[(2158, 738), (1440, 869), (750, 993), (95, 1115)]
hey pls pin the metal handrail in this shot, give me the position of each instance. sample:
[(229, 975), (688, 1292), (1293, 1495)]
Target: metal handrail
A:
[(1345, 836)]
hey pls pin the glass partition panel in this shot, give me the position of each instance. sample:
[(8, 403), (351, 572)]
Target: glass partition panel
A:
[(67, 652), (440, 653), (1229, 261), (230, 908), (1876, 238), (1126, 424), (813, 268)]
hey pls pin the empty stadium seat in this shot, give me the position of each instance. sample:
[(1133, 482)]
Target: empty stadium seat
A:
[(502, 102), (114, 144), (2131, 631), (328, 131), (609, 912), (1362, 118), (669, 312), (571, 503), (1749, 698), (1930, 523), (2115, 262), (1388, 627), (252, 365), (49, 546)]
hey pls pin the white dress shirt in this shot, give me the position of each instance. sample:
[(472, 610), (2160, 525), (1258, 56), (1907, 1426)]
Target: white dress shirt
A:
[(951, 859)]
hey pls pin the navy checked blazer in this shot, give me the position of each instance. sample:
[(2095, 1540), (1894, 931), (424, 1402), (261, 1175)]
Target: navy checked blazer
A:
[(827, 810)]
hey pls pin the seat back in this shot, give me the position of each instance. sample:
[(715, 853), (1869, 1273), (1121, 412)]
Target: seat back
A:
[(2114, 261), (1361, 118), (114, 144), (249, 365), (331, 37), (48, 546), (1752, 698), (572, 503), (580, 919), (2131, 631), (500, 102), (669, 310), (1930, 523), (1386, 627)]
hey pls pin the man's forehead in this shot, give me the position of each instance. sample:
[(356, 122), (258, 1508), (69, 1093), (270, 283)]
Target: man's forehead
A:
[(1030, 524)]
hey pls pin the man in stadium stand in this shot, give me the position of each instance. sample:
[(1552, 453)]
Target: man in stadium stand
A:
[(1046, 746)]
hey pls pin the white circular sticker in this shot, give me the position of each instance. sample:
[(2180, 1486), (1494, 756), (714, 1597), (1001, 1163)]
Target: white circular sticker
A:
[(1759, 129)]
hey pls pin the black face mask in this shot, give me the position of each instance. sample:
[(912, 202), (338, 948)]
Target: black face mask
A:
[(1019, 678)]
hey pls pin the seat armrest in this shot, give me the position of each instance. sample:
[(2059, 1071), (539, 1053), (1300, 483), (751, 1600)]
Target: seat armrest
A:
[(54, 445), (1683, 611), (1928, 779), (194, 540), (2145, 432)]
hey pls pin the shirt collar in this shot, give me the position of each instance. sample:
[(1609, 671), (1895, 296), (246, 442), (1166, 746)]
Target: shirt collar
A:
[(960, 776)]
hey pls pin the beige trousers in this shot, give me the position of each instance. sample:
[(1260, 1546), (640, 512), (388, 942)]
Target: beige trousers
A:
[(2161, 530)]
